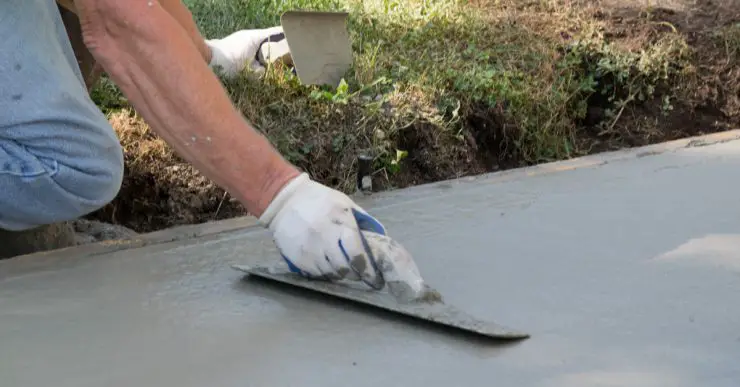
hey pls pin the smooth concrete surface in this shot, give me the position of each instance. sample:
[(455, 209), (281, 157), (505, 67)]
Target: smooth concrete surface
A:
[(625, 273)]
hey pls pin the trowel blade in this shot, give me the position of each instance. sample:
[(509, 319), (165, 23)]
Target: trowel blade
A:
[(438, 313), (320, 45)]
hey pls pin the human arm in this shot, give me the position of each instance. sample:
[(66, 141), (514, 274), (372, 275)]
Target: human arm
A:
[(184, 18), (157, 66), (231, 54), (154, 62)]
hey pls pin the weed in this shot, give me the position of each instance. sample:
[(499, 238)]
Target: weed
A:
[(729, 38)]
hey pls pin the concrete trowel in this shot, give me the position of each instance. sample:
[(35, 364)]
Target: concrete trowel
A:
[(404, 291), (315, 44)]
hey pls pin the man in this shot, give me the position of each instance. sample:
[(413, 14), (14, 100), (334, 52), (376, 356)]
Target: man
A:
[(60, 159)]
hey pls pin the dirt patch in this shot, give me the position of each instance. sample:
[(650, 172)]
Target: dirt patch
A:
[(454, 127), (706, 99), (159, 190)]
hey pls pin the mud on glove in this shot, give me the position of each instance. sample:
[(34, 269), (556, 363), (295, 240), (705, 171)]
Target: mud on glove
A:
[(317, 230)]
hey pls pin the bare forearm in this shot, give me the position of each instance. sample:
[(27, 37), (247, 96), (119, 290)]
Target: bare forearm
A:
[(154, 62), (184, 18), (177, 10)]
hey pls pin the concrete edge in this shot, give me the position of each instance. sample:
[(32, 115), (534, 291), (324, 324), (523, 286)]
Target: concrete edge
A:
[(589, 161), (174, 234), (240, 223)]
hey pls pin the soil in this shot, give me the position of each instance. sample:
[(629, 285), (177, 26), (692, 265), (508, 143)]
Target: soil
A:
[(161, 191), (711, 102), (60, 235)]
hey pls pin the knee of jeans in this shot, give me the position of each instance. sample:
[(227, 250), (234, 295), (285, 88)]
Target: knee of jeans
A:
[(106, 178), (39, 190), (86, 170), (94, 179)]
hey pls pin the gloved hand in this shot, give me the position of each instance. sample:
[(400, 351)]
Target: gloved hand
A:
[(317, 230), (239, 50)]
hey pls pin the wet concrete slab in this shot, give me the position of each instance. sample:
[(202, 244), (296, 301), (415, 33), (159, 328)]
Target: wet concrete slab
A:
[(623, 268)]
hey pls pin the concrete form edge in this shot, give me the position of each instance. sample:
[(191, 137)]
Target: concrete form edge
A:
[(588, 161), (240, 223)]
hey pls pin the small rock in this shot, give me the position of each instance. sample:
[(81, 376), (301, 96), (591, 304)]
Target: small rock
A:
[(44, 238), (91, 231)]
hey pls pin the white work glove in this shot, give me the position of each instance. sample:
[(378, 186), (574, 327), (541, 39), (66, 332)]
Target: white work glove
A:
[(317, 230), (238, 51)]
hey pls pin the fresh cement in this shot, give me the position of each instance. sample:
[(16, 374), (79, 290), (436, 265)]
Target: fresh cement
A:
[(625, 273)]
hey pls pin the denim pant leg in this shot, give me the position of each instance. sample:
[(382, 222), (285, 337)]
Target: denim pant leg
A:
[(59, 157)]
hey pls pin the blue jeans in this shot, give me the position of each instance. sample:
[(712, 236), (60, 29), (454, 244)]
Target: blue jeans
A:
[(59, 157)]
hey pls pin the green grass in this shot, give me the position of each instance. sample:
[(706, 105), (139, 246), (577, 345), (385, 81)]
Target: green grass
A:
[(441, 88)]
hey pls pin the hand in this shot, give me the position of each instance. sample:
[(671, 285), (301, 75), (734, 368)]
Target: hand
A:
[(238, 51), (317, 230)]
